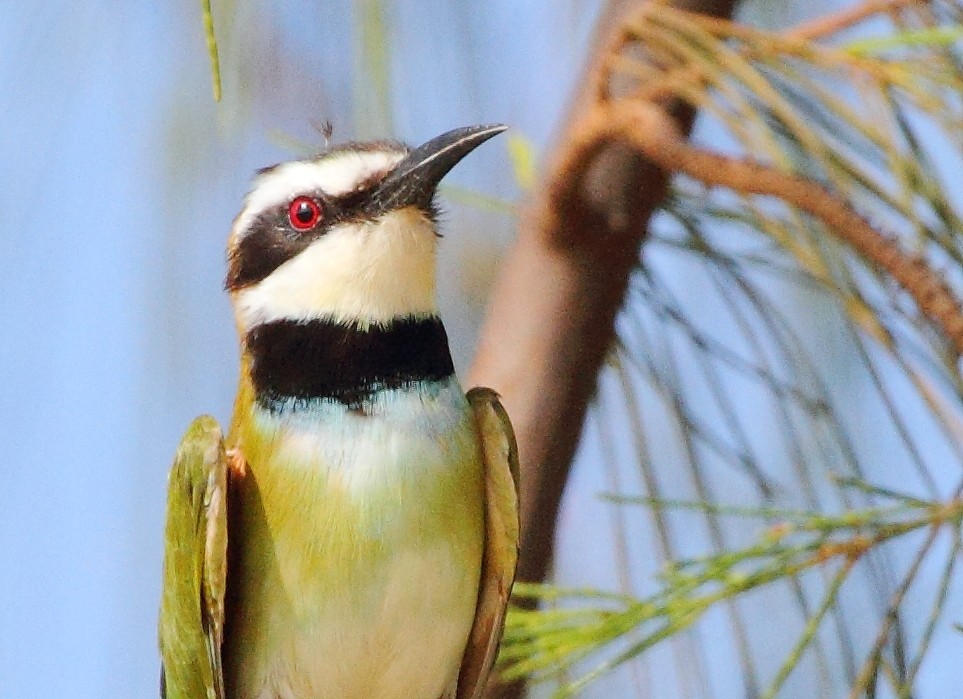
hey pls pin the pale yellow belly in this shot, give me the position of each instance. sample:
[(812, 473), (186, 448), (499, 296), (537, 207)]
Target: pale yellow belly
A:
[(407, 644), (360, 556)]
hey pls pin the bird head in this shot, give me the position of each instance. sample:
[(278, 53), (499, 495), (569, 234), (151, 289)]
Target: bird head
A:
[(348, 236)]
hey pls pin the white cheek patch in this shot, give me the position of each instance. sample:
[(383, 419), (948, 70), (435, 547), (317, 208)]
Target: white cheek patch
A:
[(335, 175), (363, 274)]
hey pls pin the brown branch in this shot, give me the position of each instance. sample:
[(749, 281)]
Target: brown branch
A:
[(648, 128), (551, 318)]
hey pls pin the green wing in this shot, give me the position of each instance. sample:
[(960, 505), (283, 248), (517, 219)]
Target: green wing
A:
[(501, 540), (195, 566)]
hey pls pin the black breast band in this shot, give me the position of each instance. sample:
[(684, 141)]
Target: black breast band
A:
[(322, 359)]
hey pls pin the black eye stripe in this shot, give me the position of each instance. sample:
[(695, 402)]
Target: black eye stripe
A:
[(271, 240)]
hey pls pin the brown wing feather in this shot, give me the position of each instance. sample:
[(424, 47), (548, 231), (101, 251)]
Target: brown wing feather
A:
[(500, 557)]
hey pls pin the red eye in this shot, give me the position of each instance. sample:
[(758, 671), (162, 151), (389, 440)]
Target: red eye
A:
[(304, 213)]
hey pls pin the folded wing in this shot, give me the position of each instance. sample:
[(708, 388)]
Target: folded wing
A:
[(195, 567), (500, 557)]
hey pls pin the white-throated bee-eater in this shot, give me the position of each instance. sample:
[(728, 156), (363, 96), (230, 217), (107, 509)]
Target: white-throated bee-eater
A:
[(356, 534)]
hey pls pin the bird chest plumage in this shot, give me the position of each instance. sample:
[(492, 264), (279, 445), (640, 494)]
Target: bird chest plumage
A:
[(347, 588)]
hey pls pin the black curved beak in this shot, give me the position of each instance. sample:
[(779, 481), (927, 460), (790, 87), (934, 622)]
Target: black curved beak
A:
[(414, 179)]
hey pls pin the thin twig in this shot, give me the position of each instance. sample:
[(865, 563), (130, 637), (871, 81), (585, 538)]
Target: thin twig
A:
[(868, 670), (836, 22)]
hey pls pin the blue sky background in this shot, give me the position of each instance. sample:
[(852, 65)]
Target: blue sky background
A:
[(119, 178)]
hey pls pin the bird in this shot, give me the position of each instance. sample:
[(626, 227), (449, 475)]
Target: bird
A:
[(355, 533)]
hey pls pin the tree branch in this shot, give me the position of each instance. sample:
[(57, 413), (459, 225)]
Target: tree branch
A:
[(551, 317)]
